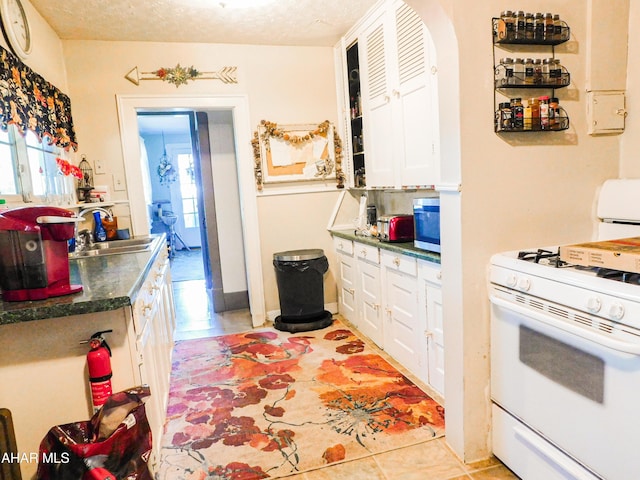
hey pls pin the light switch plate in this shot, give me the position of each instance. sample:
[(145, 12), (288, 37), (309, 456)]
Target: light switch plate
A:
[(99, 166), (118, 182)]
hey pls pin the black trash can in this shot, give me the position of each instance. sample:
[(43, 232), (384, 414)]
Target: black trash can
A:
[(299, 275)]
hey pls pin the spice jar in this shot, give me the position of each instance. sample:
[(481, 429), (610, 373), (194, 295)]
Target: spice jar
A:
[(554, 114), (549, 31), (537, 71), (518, 71), (517, 114), (520, 25), (529, 26), (544, 112), (507, 26), (534, 104), (528, 71), (505, 116), (506, 65), (538, 27)]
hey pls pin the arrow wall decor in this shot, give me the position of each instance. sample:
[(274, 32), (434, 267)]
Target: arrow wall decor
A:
[(179, 75)]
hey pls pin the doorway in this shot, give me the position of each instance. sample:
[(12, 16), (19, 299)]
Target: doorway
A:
[(237, 105), (169, 166)]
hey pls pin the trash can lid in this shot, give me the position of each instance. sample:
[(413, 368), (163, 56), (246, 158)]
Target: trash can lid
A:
[(297, 255)]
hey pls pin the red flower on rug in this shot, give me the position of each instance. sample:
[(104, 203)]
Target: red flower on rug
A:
[(266, 404)]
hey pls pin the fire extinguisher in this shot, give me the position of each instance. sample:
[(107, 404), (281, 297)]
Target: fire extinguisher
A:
[(99, 362)]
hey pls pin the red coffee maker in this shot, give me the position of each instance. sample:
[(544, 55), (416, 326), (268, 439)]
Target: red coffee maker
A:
[(34, 261)]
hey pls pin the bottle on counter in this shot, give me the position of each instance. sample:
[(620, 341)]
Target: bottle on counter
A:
[(99, 232)]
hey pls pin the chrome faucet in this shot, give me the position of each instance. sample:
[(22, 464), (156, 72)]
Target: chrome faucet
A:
[(84, 238)]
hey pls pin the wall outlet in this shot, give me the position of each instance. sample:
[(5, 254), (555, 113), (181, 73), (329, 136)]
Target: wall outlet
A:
[(118, 182), (99, 166)]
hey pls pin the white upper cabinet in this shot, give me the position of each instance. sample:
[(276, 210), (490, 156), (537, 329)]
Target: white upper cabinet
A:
[(398, 77)]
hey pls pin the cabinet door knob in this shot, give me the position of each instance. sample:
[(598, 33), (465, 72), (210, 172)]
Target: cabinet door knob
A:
[(363, 252), (396, 261), (395, 93), (439, 275), (351, 291), (428, 334)]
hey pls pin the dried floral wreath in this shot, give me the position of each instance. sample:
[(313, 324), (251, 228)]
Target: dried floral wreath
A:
[(272, 130)]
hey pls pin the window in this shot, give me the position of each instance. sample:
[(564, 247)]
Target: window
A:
[(188, 190), (32, 173)]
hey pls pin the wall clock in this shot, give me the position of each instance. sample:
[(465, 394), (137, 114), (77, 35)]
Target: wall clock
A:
[(15, 27)]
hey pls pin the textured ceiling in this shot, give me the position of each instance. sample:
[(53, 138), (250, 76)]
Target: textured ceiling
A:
[(273, 22)]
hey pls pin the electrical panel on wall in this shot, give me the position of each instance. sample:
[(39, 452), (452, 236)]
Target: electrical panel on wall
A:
[(606, 112)]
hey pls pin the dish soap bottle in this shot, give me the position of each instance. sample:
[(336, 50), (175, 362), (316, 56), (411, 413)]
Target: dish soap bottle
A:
[(99, 232)]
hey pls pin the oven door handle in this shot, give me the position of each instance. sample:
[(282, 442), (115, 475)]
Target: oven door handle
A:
[(602, 340), (555, 458)]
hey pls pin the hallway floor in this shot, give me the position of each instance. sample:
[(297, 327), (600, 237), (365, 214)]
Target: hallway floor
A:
[(432, 460)]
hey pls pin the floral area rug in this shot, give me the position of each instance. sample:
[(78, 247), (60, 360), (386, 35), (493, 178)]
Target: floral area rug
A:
[(269, 404)]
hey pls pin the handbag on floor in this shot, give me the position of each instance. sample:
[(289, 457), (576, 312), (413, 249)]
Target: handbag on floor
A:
[(114, 444)]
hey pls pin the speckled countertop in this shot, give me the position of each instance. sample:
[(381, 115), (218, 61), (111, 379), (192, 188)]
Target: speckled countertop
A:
[(405, 248), (109, 282)]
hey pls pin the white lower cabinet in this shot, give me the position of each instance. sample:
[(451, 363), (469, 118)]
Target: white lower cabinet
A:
[(430, 296), (396, 301), (403, 338), (368, 293), (154, 318), (346, 279)]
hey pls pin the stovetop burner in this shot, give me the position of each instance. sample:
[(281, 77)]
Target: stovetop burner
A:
[(543, 257), (619, 275)]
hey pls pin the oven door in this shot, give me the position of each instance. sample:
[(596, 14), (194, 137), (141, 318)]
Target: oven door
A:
[(578, 388)]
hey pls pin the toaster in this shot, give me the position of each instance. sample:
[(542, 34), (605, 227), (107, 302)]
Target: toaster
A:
[(395, 228)]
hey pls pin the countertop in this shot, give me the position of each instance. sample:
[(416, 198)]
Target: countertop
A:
[(109, 282), (404, 248)]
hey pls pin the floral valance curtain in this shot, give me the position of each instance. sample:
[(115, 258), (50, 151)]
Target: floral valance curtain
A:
[(29, 102)]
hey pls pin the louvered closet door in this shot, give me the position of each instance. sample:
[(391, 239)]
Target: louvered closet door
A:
[(416, 92), (377, 105)]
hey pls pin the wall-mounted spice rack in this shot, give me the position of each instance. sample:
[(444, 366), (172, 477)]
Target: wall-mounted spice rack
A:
[(541, 111)]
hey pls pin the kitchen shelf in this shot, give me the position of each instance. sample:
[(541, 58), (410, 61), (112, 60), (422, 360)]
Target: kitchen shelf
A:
[(565, 35), (562, 119), (509, 84)]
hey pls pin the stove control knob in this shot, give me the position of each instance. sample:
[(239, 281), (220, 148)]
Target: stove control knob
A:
[(594, 304), (512, 280), (524, 284), (616, 311)]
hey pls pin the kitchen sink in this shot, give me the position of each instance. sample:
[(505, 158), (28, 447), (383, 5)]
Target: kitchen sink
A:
[(113, 247)]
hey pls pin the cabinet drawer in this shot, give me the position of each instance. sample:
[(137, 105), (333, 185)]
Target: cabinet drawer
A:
[(367, 252), (402, 263), (343, 245), (430, 272)]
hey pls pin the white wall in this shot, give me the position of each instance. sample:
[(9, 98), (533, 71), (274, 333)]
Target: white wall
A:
[(46, 58), (286, 85)]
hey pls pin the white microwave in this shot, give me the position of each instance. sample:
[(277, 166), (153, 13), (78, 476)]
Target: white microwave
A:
[(426, 218)]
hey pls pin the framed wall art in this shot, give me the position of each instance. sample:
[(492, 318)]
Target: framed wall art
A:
[(297, 153)]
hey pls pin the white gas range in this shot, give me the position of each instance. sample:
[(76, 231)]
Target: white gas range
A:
[(565, 360)]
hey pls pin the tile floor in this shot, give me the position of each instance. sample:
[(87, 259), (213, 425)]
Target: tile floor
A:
[(427, 461)]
